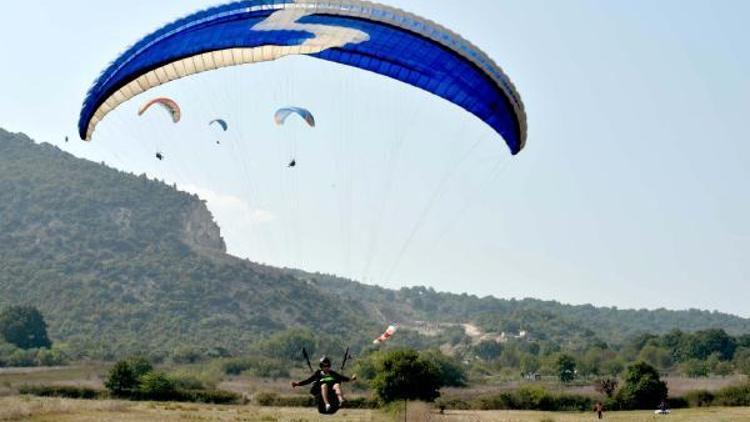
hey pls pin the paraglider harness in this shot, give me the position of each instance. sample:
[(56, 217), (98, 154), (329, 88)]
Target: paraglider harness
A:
[(315, 389)]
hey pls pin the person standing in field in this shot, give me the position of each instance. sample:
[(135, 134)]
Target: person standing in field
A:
[(599, 410)]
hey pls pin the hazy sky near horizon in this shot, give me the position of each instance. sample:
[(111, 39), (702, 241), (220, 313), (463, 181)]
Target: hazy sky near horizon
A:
[(632, 191)]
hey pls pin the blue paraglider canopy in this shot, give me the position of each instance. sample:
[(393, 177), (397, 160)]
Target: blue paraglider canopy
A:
[(220, 122), (366, 35)]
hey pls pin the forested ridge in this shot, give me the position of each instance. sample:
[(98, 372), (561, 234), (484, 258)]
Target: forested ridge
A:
[(120, 263)]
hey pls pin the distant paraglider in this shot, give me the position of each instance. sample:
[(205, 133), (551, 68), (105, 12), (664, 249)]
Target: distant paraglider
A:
[(389, 332), (284, 113), (220, 122), (168, 104)]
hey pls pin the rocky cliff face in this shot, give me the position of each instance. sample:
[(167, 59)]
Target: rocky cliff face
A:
[(200, 231)]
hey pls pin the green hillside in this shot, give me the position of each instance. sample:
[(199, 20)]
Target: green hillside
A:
[(119, 263)]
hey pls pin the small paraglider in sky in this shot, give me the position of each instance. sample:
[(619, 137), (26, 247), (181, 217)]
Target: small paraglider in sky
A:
[(220, 122), (389, 332), (167, 103), (282, 114)]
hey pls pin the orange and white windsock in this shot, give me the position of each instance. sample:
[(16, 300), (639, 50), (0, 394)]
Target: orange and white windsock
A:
[(387, 334)]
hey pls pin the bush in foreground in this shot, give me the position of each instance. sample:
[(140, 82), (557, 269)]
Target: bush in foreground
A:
[(532, 398), (403, 374), (124, 378), (136, 379), (642, 389), (63, 391), (733, 396)]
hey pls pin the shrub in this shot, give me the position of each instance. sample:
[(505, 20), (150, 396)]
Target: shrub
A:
[(452, 371), (502, 401), (695, 368), (403, 374), (156, 386), (274, 400), (606, 386), (187, 382), (453, 404), (121, 380), (256, 366), (125, 377), (699, 398), (533, 398), (140, 365), (63, 391), (266, 399), (208, 396), (185, 354), (733, 396), (51, 357), (22, 358), (566, 368), (204, 377), (643, 389), (678, 402), (361, 403)]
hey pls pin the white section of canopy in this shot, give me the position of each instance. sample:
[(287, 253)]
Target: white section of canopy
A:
[(327, 36)]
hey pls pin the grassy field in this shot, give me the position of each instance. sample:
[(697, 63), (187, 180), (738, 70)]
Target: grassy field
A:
[(37, 409), (13, 407), (93, 375)]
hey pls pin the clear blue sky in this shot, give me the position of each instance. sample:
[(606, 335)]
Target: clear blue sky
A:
[(632, 192)]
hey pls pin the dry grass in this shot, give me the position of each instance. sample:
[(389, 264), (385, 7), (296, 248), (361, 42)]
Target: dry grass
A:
[(24, 408), (687, 415), (63, 410), (83, 376), (681, 385)]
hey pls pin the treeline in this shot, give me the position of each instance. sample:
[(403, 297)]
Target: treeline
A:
[(546, 320), (702, 353)]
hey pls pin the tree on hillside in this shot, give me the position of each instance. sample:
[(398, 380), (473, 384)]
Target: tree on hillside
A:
[(24, 326), (642, 388), (530, 365), (566, 368), (452, 372), (695, 368), (742, 360), (705, 343), (488, 350), (403, 374), (288, 344), (658, 357)]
